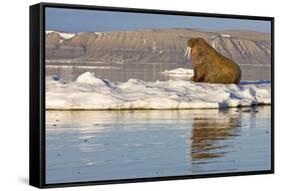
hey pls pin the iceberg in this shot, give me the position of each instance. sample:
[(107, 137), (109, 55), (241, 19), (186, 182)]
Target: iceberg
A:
[(91, 93)]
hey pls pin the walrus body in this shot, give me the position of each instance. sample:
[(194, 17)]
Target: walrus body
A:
[(210, 66)]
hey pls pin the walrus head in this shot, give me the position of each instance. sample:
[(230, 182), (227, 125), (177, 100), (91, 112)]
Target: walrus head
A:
[(201, 47)]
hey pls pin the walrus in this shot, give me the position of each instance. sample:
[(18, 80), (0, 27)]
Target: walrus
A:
[(209, 65)]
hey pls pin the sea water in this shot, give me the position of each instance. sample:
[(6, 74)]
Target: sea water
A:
[(109, 145)]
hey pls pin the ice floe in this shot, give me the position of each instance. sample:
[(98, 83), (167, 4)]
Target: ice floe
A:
[(92, 93)]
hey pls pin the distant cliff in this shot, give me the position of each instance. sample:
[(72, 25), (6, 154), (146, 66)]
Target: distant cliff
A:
[(164, 46)]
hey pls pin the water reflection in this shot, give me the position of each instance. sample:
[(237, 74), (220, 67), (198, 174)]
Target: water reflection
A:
[(206, 132), (98, 145)]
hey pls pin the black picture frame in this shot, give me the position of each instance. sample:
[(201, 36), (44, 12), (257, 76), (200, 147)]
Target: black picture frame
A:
[(37, 94)]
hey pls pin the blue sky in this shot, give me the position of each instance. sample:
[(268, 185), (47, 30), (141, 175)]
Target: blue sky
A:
[(76, 20)]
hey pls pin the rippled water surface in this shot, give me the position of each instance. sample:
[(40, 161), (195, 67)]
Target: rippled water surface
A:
[(107, 145)]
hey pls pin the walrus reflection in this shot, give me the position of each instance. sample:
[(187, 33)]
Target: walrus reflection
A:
[(209, 65), (206, 134)]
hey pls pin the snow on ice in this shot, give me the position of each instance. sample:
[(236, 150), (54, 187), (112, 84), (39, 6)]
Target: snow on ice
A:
[(90, 92)]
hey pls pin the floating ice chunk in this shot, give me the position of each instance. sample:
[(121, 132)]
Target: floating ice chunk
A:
[(180, 72)]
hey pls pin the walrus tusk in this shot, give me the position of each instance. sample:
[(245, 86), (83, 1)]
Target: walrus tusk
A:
[(213, 45), (187, 52)]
